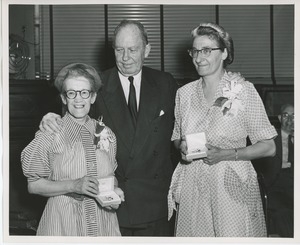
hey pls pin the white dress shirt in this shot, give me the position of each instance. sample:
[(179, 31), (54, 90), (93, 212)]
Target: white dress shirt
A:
[(285, 150), (137, 84)]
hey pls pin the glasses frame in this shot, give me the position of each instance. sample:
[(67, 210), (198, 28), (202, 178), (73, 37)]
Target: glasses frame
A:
[(80, 92), (197, 51), (286, 116)]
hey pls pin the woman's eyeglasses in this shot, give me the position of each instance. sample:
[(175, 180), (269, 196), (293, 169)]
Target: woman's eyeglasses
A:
[(72, 94), (205, 52)]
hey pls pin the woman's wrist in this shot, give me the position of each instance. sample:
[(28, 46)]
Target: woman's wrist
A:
[(231, 155), (71, 186), (227, 154), (236, 154)]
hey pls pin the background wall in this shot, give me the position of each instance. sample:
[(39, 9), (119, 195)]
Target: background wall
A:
[(263, 36)]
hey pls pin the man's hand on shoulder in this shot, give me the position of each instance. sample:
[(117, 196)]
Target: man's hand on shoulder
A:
[(51, 122)]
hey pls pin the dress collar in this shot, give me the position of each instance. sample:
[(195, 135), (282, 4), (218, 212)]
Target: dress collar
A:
[(219, 92), (73, 128)]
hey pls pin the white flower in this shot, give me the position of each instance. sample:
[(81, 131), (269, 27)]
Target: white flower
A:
[(230, 103), (231, 91), (105, 138)]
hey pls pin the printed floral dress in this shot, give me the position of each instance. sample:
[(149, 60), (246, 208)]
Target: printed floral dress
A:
[(222, 200), (68, 155)]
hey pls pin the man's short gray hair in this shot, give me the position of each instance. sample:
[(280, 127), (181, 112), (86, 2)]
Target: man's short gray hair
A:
[(136, 23)]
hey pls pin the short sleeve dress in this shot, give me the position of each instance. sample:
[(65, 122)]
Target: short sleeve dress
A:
[(67, 155), (222, 200)]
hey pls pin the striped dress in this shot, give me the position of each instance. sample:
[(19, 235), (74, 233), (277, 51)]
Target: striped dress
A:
[(71, 154)]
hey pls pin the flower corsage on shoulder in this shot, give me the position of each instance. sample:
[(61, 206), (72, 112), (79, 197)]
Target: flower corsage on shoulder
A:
[(230, 103), (102, 136)]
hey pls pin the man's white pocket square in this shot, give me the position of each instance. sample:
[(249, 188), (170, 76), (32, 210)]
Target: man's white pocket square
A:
[(161, 113)]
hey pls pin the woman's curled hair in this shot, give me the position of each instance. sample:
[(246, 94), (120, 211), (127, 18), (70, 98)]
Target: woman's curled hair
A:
[(78, 70), (217, 33)]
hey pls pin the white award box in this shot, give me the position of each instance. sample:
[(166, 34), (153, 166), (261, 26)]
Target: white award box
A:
[(106, 195), (195, 146)]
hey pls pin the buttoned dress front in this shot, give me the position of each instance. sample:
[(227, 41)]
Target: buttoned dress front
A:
[(221, 200), (65, 156)]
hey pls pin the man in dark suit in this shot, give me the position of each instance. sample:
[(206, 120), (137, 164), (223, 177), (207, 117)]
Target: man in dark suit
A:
[(278, 172), (143, 136)]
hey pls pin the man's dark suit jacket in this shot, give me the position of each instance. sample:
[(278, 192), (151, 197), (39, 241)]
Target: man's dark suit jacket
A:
[(143, 154), (270, 166), (280, 190)]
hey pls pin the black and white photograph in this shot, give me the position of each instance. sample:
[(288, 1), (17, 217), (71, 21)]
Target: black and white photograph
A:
[(149, 122)]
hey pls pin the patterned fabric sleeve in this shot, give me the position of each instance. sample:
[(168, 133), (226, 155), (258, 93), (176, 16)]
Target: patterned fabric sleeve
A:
[(35, 157), (257, 122), (179, 172), (177, 126)]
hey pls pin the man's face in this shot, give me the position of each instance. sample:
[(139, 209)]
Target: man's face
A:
[(287, 119), (130, 51)]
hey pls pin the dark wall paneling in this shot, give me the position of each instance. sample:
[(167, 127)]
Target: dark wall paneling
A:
[(29, 100), (249, 27), (179, 20), (79, 35), (283, 18)]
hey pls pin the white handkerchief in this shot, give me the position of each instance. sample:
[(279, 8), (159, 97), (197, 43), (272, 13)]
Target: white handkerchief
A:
[(161, 113)]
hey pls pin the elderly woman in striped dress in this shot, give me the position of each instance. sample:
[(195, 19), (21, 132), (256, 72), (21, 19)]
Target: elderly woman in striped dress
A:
[(66, 166)]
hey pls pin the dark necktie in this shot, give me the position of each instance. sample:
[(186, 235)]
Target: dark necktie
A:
[(132, 104)]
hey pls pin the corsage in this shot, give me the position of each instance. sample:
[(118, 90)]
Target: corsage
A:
[(102, 136), (230, 102)]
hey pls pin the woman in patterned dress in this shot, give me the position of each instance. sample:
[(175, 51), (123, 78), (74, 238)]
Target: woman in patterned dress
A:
[(218, 196), (66, 166)]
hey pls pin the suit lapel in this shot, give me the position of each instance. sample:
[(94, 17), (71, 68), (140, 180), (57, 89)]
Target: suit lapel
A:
[(116, 105), (149, 101)]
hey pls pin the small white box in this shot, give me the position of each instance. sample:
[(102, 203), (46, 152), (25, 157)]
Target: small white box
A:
[(195, 146), (106, 195)]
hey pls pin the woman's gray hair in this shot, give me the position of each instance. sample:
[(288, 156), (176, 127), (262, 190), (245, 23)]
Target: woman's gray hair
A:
[(217, 33), (136, 23), (78, 70)]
